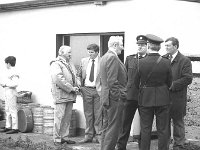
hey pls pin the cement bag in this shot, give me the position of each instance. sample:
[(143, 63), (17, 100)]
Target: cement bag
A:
[(135, 128)]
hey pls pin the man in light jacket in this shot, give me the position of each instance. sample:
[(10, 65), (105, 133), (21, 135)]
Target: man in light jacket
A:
[(64, 88)]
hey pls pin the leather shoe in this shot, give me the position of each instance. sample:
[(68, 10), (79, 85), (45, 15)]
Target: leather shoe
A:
[(5, 130), (67, 141), (12, 131), (86, 140), (96, 140), (57, 143)]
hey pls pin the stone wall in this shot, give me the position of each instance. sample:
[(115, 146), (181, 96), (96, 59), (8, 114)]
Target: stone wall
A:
[(193, 104)]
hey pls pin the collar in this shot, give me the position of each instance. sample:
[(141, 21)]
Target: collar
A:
[(112, 50), (153, 54), (174, 55), (141, 55), (61, 59), (95, 60)]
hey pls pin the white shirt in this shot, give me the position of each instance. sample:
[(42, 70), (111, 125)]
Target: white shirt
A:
[(173, 56), (87, 81)]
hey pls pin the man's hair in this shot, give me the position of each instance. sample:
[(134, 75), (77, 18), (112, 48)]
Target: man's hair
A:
[(154, 47), (11, 60), (93, 47), (63, 49), (174, 40), (114, 39)]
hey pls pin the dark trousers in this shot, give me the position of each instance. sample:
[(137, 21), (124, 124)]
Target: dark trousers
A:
[(130, 108), (162, 125), (178, 132), (112, 122)]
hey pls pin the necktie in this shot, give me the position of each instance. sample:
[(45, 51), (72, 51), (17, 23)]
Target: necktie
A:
[(170, 57), (92, 72)]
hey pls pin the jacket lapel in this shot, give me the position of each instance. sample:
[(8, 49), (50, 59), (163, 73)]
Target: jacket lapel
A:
[(123, 66), (85, 64), (176, 58)]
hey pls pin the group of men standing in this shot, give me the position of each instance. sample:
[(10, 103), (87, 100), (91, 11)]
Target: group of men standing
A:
[(112, 92)]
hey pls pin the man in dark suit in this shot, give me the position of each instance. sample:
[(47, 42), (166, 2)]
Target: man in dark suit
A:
[(154, 79), (113, 76), (182, 77), (131, 105)]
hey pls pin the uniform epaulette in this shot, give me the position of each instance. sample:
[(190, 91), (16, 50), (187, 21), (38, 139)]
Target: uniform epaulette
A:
[(134, 56)]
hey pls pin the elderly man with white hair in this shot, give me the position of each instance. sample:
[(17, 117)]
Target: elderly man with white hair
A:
[(113, 76), (64, 90)]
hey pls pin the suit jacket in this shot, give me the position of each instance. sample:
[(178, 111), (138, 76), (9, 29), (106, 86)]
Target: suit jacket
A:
[(131, 64), (182, 77), (82, 72), (156, 92), (113, 76)]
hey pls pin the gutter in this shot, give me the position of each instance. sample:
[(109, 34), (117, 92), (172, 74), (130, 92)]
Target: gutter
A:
[(27, 5)]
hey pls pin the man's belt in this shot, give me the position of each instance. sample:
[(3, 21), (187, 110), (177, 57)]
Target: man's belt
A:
[(92, 87)]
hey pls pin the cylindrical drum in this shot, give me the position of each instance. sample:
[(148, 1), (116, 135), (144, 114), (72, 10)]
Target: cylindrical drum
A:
[(48, 129), (37, 119), (38, 128), (21, 106), (2, 109), (33, 105), (25, 120), (72, 128), (48, 120)]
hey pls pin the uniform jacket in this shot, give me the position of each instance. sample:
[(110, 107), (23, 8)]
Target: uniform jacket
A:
[(131, 64), (113, 76), (157, 91), (182, 77), (63, 81), (82, 72)]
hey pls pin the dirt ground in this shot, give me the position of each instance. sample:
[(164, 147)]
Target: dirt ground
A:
[(45, 142)]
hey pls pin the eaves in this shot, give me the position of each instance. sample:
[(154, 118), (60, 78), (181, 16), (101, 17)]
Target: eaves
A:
[(36, 4)]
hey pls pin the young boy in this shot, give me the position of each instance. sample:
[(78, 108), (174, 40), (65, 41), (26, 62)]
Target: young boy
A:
[(10, 84)]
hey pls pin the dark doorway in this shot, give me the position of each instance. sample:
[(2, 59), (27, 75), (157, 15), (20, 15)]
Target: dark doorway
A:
[(61, 39)]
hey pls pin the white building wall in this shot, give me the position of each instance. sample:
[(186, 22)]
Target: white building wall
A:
[(30, 35)]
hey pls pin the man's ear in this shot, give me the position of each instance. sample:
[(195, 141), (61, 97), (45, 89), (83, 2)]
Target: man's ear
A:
[(116, 44)]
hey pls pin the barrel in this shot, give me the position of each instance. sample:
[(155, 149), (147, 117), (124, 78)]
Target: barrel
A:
[(21, 106), (72, 128), (37, 119), (38, 128), (48, 120), (25, 120), (47, 129), (33, 105), (2, 109)]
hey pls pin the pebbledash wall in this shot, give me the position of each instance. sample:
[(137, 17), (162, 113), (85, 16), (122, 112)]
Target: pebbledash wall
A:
[(30, 35)]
